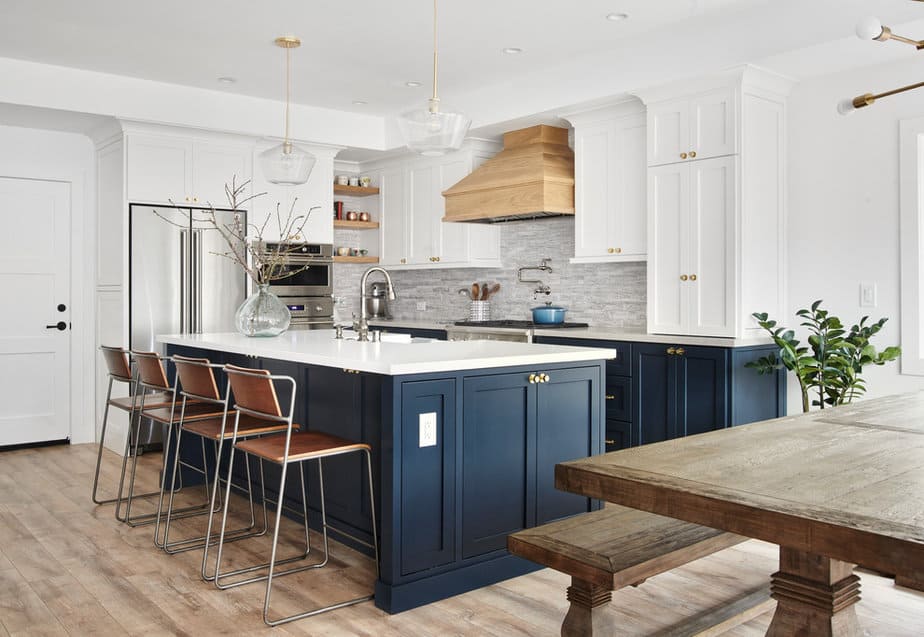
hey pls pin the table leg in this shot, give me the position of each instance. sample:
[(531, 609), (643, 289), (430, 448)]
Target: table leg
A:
[(815, 596)]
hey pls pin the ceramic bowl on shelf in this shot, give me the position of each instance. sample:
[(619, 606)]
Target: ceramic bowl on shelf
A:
[(343, 251)]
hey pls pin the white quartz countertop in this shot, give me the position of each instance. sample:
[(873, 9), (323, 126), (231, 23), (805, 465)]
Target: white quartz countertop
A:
[(595, 333), (319, 347)]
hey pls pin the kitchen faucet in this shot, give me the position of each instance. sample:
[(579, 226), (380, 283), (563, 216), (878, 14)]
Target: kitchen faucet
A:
[(543, 266), (362, 326)]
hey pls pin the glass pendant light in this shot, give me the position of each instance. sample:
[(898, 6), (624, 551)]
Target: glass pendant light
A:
[(287, 163), (436, 129)]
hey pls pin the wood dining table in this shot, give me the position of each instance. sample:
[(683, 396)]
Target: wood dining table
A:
[(834, 488)]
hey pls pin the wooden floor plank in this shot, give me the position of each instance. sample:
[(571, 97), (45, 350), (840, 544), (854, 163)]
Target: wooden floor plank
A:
[(88, 574)]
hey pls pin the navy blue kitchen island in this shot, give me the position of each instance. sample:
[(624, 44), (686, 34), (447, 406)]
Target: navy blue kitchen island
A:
[(504, 413)]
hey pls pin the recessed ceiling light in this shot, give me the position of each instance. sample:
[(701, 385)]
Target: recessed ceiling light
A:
[(360, 102), (616, 17), (512, 50), (227, 80), (412, 84)]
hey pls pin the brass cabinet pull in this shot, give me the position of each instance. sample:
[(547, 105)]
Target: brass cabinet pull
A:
[(692, 154), (196, 199), (683, 155), (545, 378), (610, 442), (611, 250), (683, 277), (187, 198), (692, 277), (611, 397), (671, 351), (681, 351), (618, 250), (403, 260), (437, 259), (351, 371), (533, 379)]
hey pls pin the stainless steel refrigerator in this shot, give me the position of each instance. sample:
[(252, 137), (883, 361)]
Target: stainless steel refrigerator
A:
[(178, 281)]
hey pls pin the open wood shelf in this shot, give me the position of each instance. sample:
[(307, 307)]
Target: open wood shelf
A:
[(356, 259), (356, 225), (355, 191)]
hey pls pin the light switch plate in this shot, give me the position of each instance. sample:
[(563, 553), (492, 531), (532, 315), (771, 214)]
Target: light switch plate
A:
[(427, 429), (867, 294)]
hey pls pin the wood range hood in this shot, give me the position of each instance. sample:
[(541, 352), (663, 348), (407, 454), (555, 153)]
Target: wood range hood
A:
[(533, 176)]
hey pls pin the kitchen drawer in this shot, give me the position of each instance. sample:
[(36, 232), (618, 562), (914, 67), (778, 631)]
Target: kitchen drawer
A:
[(618, 397), (617, 435), (619, 366)]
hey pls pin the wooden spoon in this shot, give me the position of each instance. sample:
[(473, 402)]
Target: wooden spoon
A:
[(494, 289), (476, 291), (484, 291)]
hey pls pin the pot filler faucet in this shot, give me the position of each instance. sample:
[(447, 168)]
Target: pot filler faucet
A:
[(542, 288), (362, 326)]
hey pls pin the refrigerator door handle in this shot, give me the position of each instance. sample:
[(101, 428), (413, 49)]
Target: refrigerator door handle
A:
[(196, 298), (185, 327)]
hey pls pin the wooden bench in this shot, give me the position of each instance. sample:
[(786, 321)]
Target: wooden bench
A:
[(606, 550)]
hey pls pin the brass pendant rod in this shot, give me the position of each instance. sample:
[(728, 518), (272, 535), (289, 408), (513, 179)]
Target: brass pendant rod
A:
[(435, 54), (919, 44), (288, 82), (867, 99)]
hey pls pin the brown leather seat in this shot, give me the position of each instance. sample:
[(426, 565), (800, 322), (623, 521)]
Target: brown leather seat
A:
[(304, 446), (247, 426)]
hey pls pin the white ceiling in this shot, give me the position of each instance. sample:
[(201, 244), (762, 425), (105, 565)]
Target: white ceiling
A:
[(367, 49)]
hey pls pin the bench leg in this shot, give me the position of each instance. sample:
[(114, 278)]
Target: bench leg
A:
[(589, 614)]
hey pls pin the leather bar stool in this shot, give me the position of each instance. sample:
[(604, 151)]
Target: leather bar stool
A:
[(119, 370), (196, 382), (255, 395), (152, 376)]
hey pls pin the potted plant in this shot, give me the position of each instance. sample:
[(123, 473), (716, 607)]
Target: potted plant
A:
[(830, 367)]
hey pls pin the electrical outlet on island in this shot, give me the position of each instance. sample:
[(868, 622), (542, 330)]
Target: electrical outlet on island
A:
[(427, 423)]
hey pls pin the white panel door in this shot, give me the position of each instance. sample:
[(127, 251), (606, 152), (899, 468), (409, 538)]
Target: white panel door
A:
[(159, 169), (668, 201), (215, 165), (393, 217), (712, 257), (453, 237), (422, 245), (668, 131), (595, 177), (713, 124), (628, 218), (34, 277)]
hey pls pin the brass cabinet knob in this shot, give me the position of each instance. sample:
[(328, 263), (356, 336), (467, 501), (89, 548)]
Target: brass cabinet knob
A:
[(610, 442), (618, 250), (611, 397), (195, 199), (681, 351), (545, 378), (671, 351), (437, 259), (683, 277), (692, 277), (611, 250), (683, 155), (187, 198), (692, 154), (533, 379), (403, 260)]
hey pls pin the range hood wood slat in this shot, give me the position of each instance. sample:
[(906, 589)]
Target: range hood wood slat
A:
[(533, 176)]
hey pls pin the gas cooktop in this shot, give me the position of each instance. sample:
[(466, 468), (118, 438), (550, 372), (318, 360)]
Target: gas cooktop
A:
[(521, 325)]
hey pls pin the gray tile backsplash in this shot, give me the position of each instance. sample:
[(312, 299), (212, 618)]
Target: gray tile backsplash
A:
[(602, 294)]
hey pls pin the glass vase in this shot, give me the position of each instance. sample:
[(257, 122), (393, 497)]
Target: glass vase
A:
[(262, 314)]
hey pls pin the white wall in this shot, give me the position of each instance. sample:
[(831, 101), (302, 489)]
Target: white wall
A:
[(844, 203), (39, 154)]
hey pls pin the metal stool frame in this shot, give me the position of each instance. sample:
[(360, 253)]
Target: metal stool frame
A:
[(270, 381)]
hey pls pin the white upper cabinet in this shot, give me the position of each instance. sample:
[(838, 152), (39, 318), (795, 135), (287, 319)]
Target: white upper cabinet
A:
[(716, 216), (412, 232), (693, 127), (610, 183), (182, 170)]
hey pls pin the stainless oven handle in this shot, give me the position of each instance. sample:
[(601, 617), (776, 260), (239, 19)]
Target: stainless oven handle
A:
[(184, 282), (197, 281), (294, 259)]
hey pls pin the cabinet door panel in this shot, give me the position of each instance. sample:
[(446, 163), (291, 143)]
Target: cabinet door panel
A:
[(713, 124), (628, 211), (618, 397), (712, 249), (159, 169), (668, 131), (214, 165), (669, 192), (421, 242), (568, 421), (702, 388), (496, 443), (427, 477), (393, 223), (618, 435), (453, 237), (593, 189), (654, 403)]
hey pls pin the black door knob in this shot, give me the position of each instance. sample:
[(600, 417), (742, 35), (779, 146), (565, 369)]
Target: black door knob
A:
[(60, 326), (61, 307)]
